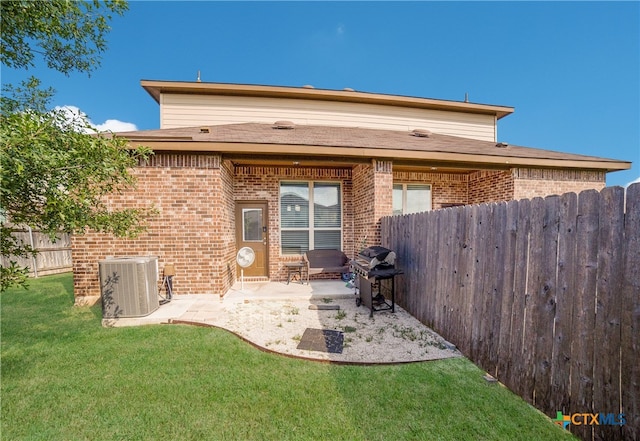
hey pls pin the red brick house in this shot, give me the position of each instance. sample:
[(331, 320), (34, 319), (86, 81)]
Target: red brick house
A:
[(284, 169)]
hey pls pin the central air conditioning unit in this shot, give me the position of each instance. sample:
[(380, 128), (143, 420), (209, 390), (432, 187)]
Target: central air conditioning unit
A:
[(129, 286)]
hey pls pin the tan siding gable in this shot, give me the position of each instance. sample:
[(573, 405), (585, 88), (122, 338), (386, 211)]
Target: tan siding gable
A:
[(179, 110)]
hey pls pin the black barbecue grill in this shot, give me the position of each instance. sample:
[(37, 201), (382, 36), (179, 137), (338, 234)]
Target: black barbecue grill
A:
[(371, 266)]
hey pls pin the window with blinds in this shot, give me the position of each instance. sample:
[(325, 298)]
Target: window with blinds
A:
[(310, 216), (411, 198)]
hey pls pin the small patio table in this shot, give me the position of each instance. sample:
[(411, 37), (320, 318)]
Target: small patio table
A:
[(294, 268)]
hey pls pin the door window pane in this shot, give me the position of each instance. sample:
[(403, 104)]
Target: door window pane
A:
[(252, 224)]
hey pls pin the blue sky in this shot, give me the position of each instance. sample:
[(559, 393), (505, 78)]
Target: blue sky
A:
[(570, 69)]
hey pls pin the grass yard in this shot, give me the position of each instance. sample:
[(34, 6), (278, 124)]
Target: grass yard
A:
[(64, 377)]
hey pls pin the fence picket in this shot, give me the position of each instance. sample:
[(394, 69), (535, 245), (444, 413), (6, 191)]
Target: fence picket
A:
[(416, 252), (545, 309), (451, 257), (496, 280), (431, 267), (630, 299), (519, 293), (467, 266), (503, 367), (484, 278), (478, 240), (532, 300), (444, 250), (559, 400), (606, 374), (481, 283), (460, 280), (400, 245), (584, 311)]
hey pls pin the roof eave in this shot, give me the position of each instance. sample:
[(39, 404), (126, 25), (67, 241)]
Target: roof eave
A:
[(506, 161), (156, 88)]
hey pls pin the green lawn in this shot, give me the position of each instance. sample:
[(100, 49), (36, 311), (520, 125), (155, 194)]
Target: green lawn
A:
[(64, 377)]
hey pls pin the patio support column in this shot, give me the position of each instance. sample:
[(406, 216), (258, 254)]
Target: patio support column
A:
[(373, 199)]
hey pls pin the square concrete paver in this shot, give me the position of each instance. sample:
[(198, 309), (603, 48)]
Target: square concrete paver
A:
[(323, 340)]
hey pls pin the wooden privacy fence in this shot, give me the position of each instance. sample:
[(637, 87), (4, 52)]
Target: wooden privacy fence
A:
[(543, 294), (52, 257)]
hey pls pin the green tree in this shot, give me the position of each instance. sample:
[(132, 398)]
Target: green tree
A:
[(54, 171), (68, 35)]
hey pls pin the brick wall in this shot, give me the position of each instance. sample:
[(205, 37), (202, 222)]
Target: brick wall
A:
[(446, 188), (529, 183), (500, 185), (195, 194), (373, 199), (253, 183), (490, 186), (192, 228), (226, 267), (461, 188), (383, 194), (363, 205)]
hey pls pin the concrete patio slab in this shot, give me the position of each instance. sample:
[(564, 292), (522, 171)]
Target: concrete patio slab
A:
[(316, 289), (200, 306)]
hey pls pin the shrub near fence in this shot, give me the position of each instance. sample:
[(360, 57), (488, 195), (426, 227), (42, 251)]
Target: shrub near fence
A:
[(543, 294)]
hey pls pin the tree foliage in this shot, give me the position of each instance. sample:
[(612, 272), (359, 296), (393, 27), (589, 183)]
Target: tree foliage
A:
[(54, 175), (69, 35), (56, 171)]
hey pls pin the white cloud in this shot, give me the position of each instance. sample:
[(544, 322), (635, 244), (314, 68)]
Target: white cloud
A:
[(75, 116), (115, 125), (340, 30)]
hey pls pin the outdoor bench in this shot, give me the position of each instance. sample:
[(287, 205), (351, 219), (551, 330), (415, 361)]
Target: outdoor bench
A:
[(325, 261)]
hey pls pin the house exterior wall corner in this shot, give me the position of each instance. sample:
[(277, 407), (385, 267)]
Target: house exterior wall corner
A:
[(193, 228)]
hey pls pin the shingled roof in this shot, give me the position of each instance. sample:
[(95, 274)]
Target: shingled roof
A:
[(419, 145)]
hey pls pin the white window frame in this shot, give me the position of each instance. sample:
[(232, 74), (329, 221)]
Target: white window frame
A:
[(311, 228), (404, 194)]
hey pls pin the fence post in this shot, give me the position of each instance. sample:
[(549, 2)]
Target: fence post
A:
[(33, 257)]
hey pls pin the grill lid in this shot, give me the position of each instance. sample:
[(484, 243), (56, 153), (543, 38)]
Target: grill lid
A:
[(377, 256)]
